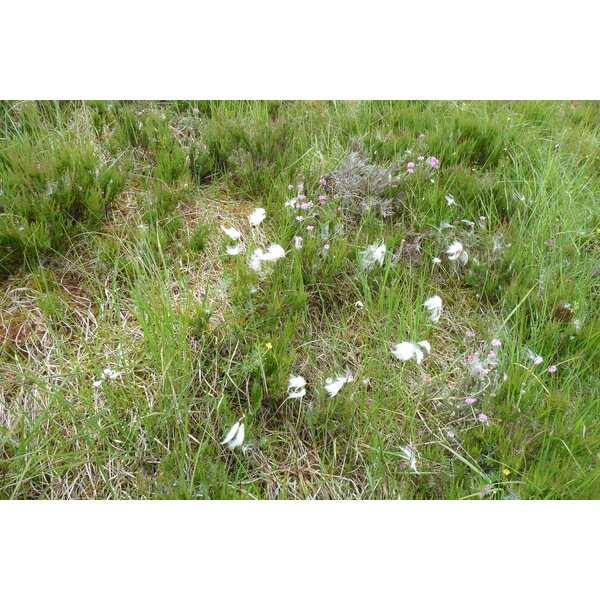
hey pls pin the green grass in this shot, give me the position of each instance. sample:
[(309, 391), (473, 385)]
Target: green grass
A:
[(112, 256)]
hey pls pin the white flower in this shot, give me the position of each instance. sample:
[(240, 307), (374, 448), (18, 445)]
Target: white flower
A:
[(257, 216), (333, 386), (407, 350), (457, 252), (274, 252), (434, 305), (233, 250), (359, 304), (235, 437), (450, 200), (410, 454), (106, 374), (297, 385), (437, 260), (291, 202), (232, 232), (373, 254)]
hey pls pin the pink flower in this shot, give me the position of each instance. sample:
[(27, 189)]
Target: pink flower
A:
[(469, 334), (322, 201), (299, 218), (471, 357), (422, 136), (483, 418), (421, 158), (496, 343), (310, 227), (552, 369), (505, 377), (323, 181), (427, 378), (434, 162), (492, 354), (549, 243), (322, 197), (301, 197), (290, 187), (300, 186), (485, 372), (538, 360), (482, 218), (470, 400), (196, 109), (411, 165), (411, 170), (298, 242), (478, 368), (326, 247), (450, 434), (305, 205)]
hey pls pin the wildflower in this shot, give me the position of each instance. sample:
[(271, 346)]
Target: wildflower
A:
[(421, 158), (297, 385), (291, 202), (469, 334), (437, 260), (334, 385), (106, 374), (310, 227), (359, 304), (482, 218), (326, 247), (506, 472), (300, 186), (552, 369), (407, 350), (538, 360), (235, 437), (505, 377), (471, 357), (196, 110), (434, 305), (410, 171), (322, 197), (323, 181), (373, 254), (290, 187), (410, 455), (299, 218), (496, 343), (484, 491), (274, 252), (322, 201), (233, 250), (298, 242), (450, 434), (257, 216), (456, 252), (422, 136), (549, 243), (232, 232), (411, 165), (268, 346), (301, 197), (450, 200), (482, 418), (434, 162), (470, 401), (478, 368)]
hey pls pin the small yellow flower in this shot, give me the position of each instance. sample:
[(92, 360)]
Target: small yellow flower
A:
[(506, 472), (268, 345)]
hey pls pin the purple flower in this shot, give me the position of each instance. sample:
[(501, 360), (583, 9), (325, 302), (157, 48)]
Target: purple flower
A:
[(310, 227), (470, 400), (450, 434), (300, 187), (469, 333), (298, 242), (478, 368), (491, 354), (422, 136), (538, 360), (483, 418), (326, 247), (549, 243), (552, 369), (411, 170), (434, 162), (323, 181), (421, 158), (482, 218), (322, 197), (322, 201), (496, 343), (290, 187), (299, 218), (196, 109), (411, 165), (301, 197)]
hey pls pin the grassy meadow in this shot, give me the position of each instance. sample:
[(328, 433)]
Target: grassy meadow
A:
[(144, 316)]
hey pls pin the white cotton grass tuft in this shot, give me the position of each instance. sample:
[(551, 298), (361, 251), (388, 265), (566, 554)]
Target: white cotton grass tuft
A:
[(374, 254), (436, 260), (410, 454), (296, 386), (232, 232), (456, 252), (434, 306), (334, 384), (106, 374), (407, 350), (234, 250), (235, 436), (274, 252), (257, 216)]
